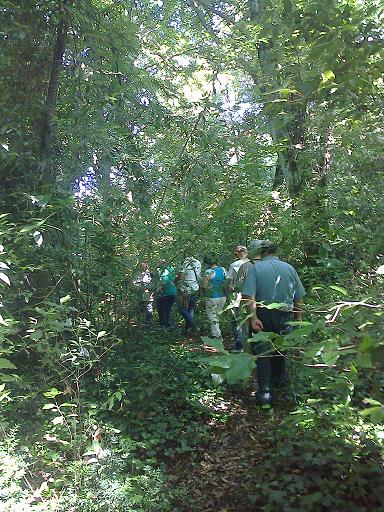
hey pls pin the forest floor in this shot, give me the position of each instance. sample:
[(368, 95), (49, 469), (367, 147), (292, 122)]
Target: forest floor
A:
[(221, 476), (158, 436), (215, 471)]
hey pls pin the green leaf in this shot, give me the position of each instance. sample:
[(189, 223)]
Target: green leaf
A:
[(328, 75), (36, 335), (331, 353), (8, 378), (371, 401), (52, 393), (376, 413), (30, 227), (366, 344), (300, 324), (217, 379), (315, 350), (241, 368), (48, 406), (65, 299), (339, 289), (4, 363), (218, 361), (261, 336), (275, 305), (214, 343), (364, 360)]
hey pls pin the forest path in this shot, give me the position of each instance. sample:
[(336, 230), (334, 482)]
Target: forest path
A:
[(222, 476)]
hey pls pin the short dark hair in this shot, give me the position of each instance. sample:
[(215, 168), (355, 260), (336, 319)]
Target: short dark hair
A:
[(268, 248), (211, 259)]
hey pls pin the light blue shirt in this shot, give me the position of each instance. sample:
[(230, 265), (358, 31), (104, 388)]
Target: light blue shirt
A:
[(274, 281), (216, 284)]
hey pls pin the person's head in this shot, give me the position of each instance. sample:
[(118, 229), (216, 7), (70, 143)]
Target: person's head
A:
[(144, 266), (211, 259), (188, 258), (241, 252), (258, 249), (162, 262), (269, 248)]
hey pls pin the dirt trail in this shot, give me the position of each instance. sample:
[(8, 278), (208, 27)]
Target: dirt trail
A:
[(221, 478)]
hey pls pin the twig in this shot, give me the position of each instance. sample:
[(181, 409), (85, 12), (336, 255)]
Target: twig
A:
[(342, 305)]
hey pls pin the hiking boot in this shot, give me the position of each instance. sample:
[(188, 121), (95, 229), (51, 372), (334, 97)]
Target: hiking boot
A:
[(264, 397)]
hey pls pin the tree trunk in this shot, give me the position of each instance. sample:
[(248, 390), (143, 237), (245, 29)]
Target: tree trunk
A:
[(287, 133), (44, 175)]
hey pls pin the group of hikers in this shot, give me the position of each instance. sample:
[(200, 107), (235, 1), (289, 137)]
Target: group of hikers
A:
[(256, 280)]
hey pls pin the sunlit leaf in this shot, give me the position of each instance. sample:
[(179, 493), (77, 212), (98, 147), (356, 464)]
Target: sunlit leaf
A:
[(52, 393), (328, 75), (58, 420), (38, 238), (5, 278), (339, 289), (4, 363), (48, 406), (376, 413), (8, 378), (275, 305), (214, 343)]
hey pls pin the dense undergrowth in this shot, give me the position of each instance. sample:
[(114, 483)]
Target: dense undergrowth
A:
[(106, 436), (107, 447), (96, 413), (136, 131)]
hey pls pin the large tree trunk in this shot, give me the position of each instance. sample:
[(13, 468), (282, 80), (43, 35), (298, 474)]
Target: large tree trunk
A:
[(287, 131), (45, 175)]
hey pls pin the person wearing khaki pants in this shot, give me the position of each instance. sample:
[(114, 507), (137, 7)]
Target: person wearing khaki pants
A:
[(214, 307)]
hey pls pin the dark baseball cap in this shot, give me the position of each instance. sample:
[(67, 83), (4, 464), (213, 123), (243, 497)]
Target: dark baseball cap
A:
[(257, 247)]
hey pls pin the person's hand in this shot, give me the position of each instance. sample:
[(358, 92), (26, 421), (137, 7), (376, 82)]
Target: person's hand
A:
[(257, 324)]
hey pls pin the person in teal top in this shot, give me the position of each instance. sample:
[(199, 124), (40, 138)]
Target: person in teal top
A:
[(215, 296), (166, 292)]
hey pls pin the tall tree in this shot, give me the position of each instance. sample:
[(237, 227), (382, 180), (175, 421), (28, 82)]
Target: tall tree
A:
[(298, 54)]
